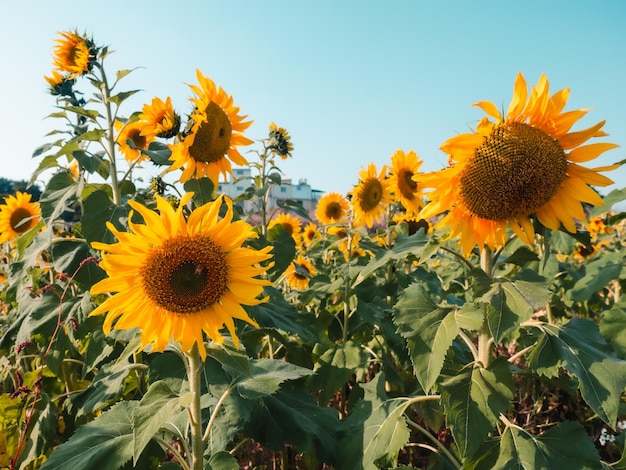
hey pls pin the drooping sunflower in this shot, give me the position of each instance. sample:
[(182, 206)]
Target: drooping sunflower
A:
[(279, 142), (291, 224), (371, 196), (214, 133), (59, 84), (131, 130), (406, 190), (177, 279), (73, 54), (332, 208), (525, 163), (17, 216), (159, 119), (300, 272)]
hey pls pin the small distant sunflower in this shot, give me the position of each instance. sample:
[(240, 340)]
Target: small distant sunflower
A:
[(175, 278), (406, 190), (299, 273), (132, 131), (215, 130), (371, 195), (524, 163), (349, 247), (309, 233), (332, 208), (17, 216), (291, 224), (159, 119), (279, 142), (413, 222), (73, 54)]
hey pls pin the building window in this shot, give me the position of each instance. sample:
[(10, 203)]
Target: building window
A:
[(239, 188), (283, 189)]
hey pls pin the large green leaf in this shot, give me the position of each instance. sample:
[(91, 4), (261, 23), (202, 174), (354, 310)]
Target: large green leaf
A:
[(68, 256), (266, 375), (157, 406), (473, 401), (613, 325), (403, 247), (99, 209), (598, 273), (334, 367), (565, 446), (291, 416), (374, 431), (59, 192), (578, 347), (203, 190), (222, 460), (106, 443), (512, 302)]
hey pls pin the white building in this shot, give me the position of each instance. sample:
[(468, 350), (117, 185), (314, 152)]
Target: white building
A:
[(301, 193)]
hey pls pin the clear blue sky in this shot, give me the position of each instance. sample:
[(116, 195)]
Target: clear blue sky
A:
[(352, 81)]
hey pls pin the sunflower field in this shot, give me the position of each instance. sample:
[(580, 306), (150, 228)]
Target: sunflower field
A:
[(469, 317)]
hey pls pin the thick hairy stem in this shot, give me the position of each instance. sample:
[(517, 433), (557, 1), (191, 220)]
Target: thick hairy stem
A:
[(484, 336), (194, 368)]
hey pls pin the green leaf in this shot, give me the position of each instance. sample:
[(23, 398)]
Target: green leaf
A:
[(291, 416), (157, 406), (403, 247), (334, 367), (578, 347), (564, 446), (106, 443), (222, 460), (429, 330), (99, 209), (90, 163), (612, 327), (598, 273), (615, 196), (68, 256), (59, 192), (512, 302), (203, 190), (266, 375), (374, 431), (522, 256), (473, 401), (284, 250), (120, 97), (159, 153)]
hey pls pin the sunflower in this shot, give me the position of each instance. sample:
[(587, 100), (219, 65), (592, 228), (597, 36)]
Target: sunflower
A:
[(370, 196), (403, 167), (17, 216), (177, 278), (131, 130), (73, 54), (299, 273), (351, 251), (332, 208), (414, 224), (525, 163), (309, 233), (214, 133), (291, 224), (279, 142), (159, 119), (59, 84)]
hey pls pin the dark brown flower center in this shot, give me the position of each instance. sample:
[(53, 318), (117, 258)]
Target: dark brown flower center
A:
[(212, 139), (138, 139), (186, 274), (516, 170), (20, 220), (334, 210), (406, 184), (371, 194)]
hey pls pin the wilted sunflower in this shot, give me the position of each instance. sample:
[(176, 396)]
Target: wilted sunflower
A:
[(159, 119), (406, 190), (73, 54), (299, 273), (279, 142), (371, 196), (59, 84), (17, 215), (291, 224), (177, 278), (332, 208), (132, 131), (214, 132), (522, 164)]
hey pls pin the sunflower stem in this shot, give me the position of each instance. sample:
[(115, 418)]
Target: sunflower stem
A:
[(484, 336), (194, 369)]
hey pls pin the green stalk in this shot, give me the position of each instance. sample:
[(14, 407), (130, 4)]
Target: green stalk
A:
[(484, 336), (194, 369)]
